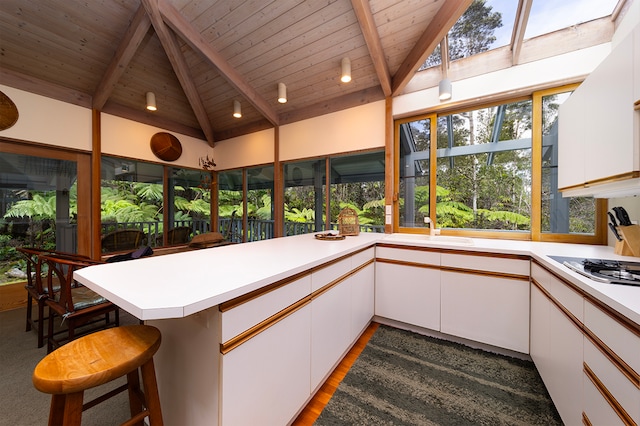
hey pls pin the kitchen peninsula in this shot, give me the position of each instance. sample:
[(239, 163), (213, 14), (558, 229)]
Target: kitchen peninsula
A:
[(250, 331)]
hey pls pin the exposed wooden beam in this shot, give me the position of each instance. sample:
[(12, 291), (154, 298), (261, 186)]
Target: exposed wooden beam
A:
[(192, 37), (350, 100), (372, 38), (447, 15), (144, 117), (44, 88), (133, 37), (522, 16), (180, 67)]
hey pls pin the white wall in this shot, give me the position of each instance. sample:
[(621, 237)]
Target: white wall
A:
[(556, 68), (128, 138), (48, 121), (243, 151), (350, 130)]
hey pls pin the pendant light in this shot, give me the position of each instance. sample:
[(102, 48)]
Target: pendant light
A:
[(237, 109), (444, 87), (151, 101), (282, 93), (346, 70)]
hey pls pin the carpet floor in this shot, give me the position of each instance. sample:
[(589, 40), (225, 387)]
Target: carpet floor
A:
[(403, 378), (20, 403)]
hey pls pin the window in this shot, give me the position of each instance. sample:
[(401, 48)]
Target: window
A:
[(230, 205), (494, 173), (188, 204), (355, 181), (132, 198), (44, 203), (260, 203), (484, 168), (304, 197)]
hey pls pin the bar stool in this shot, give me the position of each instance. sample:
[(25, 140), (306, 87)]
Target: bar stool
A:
[(97, 359)]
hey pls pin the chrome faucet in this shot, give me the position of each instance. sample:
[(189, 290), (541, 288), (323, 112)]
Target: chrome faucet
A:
[(432, 229)]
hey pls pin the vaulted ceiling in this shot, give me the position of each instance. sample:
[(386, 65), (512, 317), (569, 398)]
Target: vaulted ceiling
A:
[(199, 56)]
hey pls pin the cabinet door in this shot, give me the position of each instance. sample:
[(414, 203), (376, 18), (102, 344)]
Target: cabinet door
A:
[(557, 343), (409, 294), (266, 379), (362, 300), (486, 309), (330, 330)]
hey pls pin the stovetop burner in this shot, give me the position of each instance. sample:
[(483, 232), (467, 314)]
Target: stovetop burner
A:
[(604, 270)]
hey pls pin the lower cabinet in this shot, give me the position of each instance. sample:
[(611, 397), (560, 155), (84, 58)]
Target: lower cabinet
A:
[(488, 309), (556, 342), (266, 379), (408, 286), (587, 357)]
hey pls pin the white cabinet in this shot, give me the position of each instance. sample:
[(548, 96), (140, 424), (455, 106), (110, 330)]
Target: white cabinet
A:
[(331, 330), (362, 299), (612, 368), (556, 342), (486, 300), (408, 286), (598, 140), (266, 379)]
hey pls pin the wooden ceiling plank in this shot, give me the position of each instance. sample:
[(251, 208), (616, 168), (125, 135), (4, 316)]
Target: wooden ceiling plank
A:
[(522, 16), (177, 22), (372, 39), (180, 67), (140, 24), (35, 85), (446, 17)]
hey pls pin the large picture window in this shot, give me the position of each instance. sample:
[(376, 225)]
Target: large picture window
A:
[(490, 171)]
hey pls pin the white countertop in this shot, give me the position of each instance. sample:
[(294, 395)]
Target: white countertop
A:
[(180, 284)]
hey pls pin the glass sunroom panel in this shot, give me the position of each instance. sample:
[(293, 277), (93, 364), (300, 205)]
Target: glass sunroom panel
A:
[(260, 203), (484, 168), (230, 205), (132, 198), (414, 172), (357, 182), (575, 215), (189, 204), (304, 197), (549, 15), (38, 203)]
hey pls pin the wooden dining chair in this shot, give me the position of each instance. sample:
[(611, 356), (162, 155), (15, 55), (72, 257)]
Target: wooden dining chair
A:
[(80, 308), (36, 292)]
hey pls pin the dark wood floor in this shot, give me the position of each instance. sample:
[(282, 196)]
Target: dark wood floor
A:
[(313, 409)]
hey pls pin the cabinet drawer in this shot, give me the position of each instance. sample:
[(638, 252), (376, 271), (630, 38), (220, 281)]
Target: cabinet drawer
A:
[(596, 407), (486, 263), (327, 274), (620, 339), (409, 255), (252, 312), (618, 385), (363, 257), (565, 295)]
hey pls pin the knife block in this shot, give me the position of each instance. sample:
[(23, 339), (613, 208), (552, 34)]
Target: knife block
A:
[(630, 244)]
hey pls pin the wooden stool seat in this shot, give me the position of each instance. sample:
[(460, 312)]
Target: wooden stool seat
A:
[(97, 359)]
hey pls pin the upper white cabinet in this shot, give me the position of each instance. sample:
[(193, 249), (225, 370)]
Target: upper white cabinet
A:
[(599, 133)]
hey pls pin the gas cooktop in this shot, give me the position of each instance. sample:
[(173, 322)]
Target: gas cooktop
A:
[(604, 270)]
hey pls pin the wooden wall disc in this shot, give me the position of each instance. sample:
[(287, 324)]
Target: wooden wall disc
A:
[(8, 112), (165, 146)]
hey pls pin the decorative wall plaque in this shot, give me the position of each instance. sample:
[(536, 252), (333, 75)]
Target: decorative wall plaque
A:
[(8, 112)]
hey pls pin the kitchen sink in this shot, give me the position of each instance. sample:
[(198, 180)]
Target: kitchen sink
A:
[(442, 239)]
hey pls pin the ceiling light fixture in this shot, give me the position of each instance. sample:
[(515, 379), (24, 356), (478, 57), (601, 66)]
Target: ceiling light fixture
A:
[(151, 101), (237, 109), (444, 88), (282, 93), (346, 70)]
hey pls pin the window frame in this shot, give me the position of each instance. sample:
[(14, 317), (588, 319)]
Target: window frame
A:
[(598, 238)]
